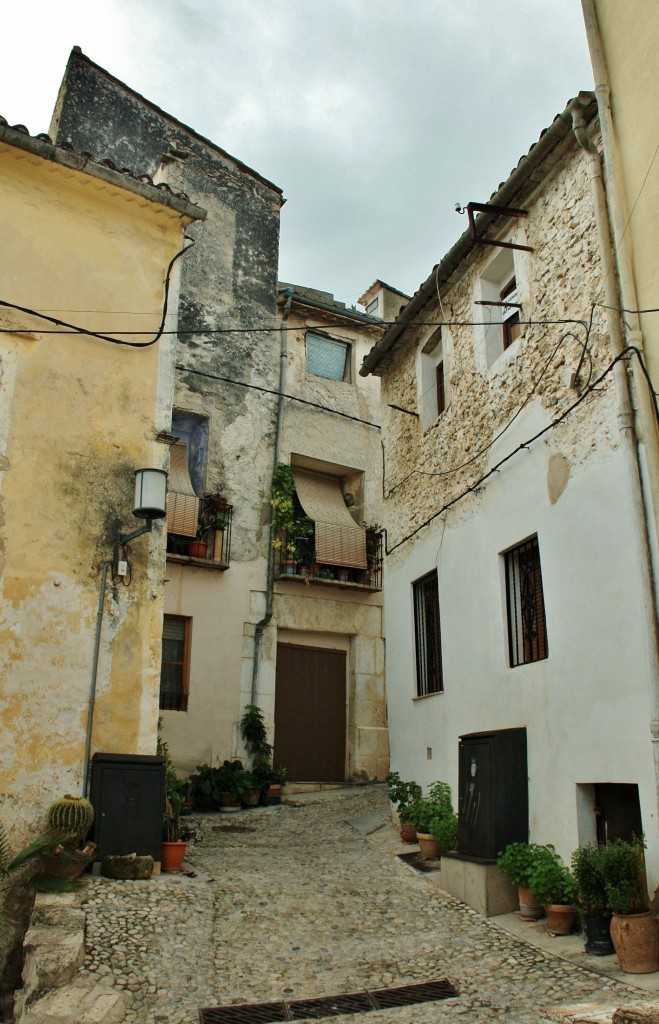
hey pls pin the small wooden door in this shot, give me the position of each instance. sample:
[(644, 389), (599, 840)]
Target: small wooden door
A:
[(310, 713)]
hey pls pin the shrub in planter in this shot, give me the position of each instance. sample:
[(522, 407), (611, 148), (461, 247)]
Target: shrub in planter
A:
[(591, 899), (444, 827), (554, 888), (205, 787), (402, 795), (633, 928), (517, 862)]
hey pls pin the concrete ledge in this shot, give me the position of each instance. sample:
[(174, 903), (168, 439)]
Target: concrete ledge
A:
[(482, 886)]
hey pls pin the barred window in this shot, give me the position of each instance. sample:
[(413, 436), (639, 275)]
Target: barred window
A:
[(174, 665), (527, 626), (429, 676), (327, 357)]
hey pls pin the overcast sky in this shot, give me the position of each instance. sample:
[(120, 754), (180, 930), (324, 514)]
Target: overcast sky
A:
[(374, 116)]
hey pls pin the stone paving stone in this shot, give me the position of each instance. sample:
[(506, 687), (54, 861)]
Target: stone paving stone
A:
[(304, 906)]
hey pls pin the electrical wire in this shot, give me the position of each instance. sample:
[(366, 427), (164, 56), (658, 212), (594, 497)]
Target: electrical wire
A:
[(272, 391), (630, 349), (73, 329)]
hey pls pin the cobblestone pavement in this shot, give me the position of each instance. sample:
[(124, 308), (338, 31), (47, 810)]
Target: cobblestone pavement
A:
[(303, 904)]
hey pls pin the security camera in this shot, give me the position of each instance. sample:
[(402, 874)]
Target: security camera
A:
[(458, 208)]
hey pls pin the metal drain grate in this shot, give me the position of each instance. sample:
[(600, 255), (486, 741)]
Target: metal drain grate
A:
[(328, 1006)]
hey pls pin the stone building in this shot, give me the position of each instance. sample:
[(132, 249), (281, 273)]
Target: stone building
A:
[(230, 618), (517, 593), (84, 399)]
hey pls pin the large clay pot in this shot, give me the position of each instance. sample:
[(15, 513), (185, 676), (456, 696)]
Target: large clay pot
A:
[(67, 863), (597, 934), (636, 941), (253, 798), (560, 919), (529, 909), (428, 845), (274, 793), (172, 855)]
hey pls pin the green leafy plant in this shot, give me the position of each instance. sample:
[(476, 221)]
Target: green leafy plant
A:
[(174, 791), (18, 870), (622, 867), (325, 573), (402, 794), (551, 882), (233, 779), (291, 529), (213, 515), (588, 870), (278, 776), (432, 809), (518, 860), (373, 544), (444, 827), (205, 787)]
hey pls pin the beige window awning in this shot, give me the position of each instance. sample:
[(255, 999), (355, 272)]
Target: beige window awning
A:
[(339, 541), (182, 502)]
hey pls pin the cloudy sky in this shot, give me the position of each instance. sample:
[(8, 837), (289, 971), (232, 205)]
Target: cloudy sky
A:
[(374, 116)]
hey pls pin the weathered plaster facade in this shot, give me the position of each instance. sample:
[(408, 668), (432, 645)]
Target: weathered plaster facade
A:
[(229, 378), (464, 487), (79, 416)]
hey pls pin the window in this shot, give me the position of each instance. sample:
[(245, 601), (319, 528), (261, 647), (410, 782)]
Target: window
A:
[(373, 305), (328, 357), (429, 677), (510, 314), (527, 627), (433, 392), (174, 666), (441, 387), (498, 306)]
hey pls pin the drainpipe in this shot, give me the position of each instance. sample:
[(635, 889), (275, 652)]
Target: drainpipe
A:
[(92, 688), (269, 583), (642, 516)]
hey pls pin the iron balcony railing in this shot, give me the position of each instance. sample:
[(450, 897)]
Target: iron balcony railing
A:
[(296, 557)]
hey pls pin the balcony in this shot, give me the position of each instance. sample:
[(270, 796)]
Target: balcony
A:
[(211, 548), (295, 560)]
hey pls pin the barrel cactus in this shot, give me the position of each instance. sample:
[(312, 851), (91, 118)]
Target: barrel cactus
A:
[(71, 816)]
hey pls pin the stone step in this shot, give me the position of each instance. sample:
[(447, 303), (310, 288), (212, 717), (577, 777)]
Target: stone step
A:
[(59, 909), (87, 1000), (53, 956)]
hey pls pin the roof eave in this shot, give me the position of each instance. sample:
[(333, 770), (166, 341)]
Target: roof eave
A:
[(556, 133)]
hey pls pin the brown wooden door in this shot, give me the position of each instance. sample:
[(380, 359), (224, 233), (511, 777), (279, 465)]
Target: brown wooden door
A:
[(310, 713)]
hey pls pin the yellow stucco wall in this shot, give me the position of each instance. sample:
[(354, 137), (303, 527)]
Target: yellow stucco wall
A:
[(77, 416)]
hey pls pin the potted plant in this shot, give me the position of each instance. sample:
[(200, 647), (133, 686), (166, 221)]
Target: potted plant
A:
[(517, 861), (291, 528), (70, 818), (592, 901), (373, 551), (277, 780), (234, 784), (213, 516), (402, 794), (554, 888), (633, 927), (173, 848), (254, 732), (17, 870), (428, 815), (205, 788), (444, 828), (325, 573)]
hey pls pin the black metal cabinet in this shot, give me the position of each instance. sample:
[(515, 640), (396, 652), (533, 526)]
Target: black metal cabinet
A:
[(128, 795), (493, 802)]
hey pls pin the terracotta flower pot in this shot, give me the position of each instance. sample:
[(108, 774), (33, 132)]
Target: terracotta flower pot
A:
[(560, 919), (228, 805), (407, 832), (274, 793), (636, 942), (529, 909), (428, 845), (172, 855), (253, 798), (198, 549)]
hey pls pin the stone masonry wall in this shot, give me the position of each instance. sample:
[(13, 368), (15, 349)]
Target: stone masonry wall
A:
[(560, 280)]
